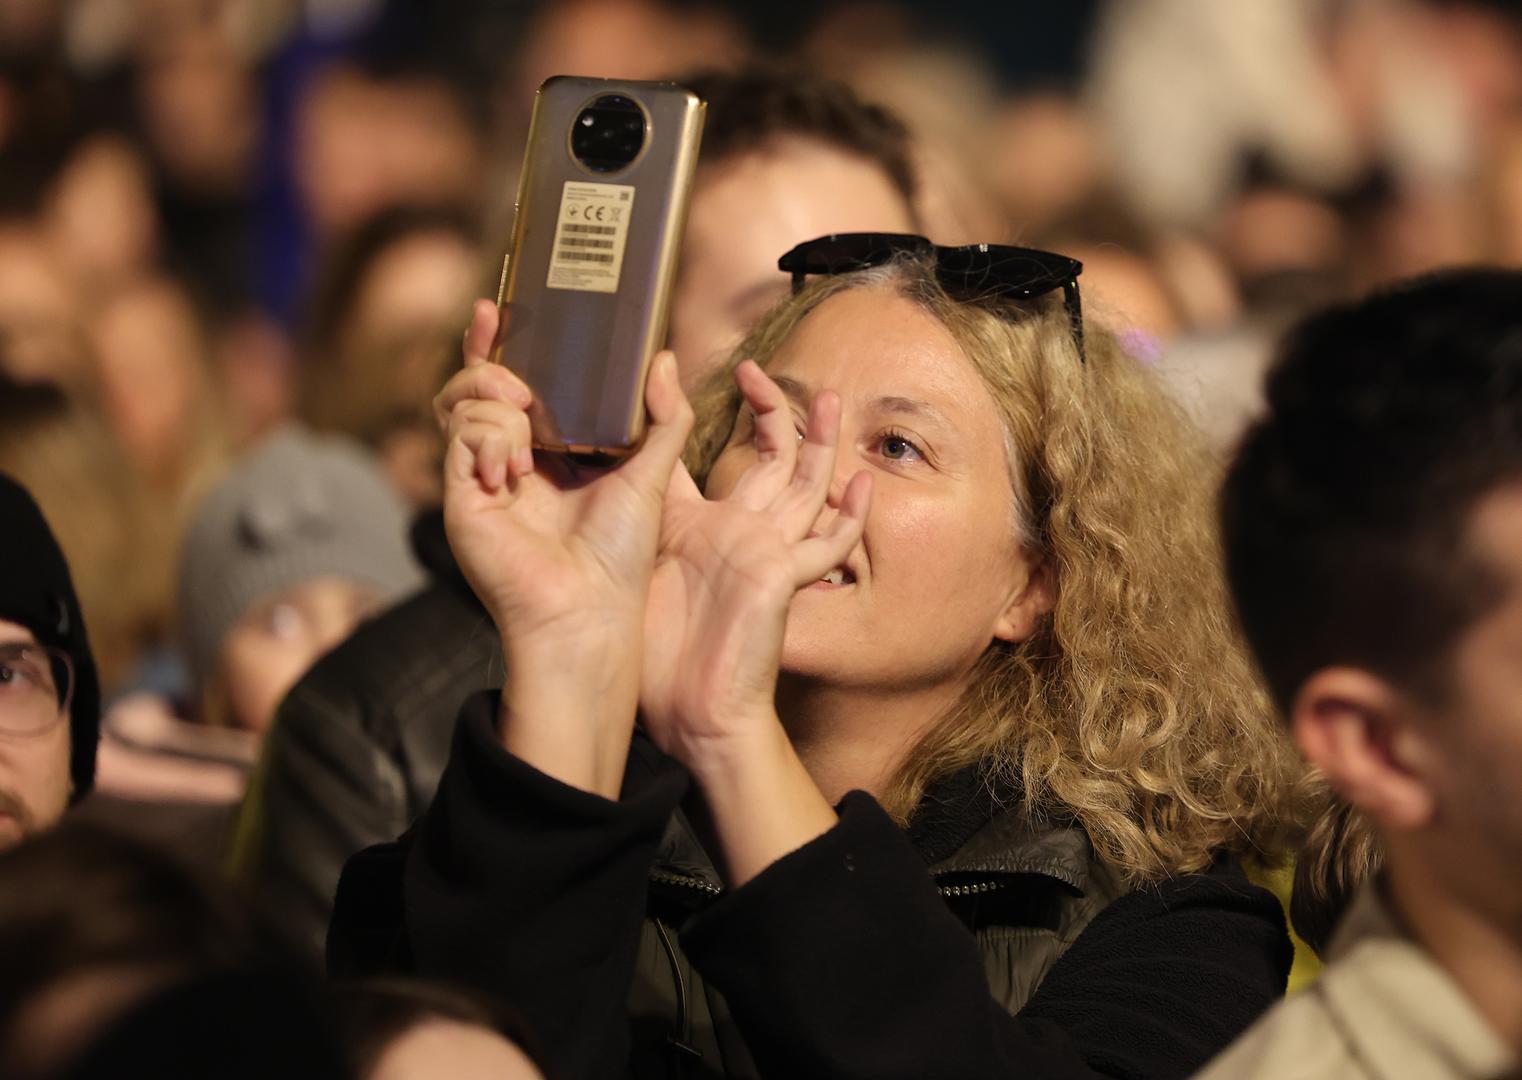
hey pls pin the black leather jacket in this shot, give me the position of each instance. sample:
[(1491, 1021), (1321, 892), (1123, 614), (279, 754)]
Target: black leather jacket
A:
[(359, 743), (979, 945)]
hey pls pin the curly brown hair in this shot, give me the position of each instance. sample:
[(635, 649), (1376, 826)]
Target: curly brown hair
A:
[(1134, 709)]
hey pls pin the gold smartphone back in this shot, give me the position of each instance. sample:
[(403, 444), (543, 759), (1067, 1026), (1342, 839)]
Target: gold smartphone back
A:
[(586, 288)]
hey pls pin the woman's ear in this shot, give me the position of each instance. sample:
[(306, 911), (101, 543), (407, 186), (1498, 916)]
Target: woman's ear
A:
[(1030, 601), (1357, 730)]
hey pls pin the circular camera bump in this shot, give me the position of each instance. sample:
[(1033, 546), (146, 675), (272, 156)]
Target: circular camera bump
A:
[(608, 134)]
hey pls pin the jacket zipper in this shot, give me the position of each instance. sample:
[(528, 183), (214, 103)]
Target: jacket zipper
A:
[(686, 881), (977, 888)]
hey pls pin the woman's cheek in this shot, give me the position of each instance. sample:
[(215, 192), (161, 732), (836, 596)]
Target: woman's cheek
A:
[(913, 539)]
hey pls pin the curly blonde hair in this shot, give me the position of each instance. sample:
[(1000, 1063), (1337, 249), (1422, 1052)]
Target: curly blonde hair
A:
[(1134, 709)]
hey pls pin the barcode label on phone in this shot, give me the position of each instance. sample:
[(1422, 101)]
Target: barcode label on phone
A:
[(589, 236)]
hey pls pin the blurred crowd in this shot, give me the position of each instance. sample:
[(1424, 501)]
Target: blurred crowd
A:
[(239, 241), (217, 218)]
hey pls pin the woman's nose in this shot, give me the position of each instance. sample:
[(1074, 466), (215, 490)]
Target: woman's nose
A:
[(847, 465), (837, 488)]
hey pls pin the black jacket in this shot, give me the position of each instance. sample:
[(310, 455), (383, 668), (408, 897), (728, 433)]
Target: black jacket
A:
[(1013, 955), (359, 743)]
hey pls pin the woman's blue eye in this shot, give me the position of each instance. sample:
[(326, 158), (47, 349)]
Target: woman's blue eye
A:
[(898, 448)]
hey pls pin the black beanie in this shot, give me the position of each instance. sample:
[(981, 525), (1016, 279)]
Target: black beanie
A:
[(37, 592)]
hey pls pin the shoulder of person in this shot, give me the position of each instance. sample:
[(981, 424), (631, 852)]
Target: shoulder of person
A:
[(431, 639)]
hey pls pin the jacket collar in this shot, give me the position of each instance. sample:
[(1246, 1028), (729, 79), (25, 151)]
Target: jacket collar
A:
[(972, 823), (962, 828), (1400, 1013), (1013, 843)]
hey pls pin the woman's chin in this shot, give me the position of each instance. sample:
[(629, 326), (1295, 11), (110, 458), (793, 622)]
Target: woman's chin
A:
[(807, 661)]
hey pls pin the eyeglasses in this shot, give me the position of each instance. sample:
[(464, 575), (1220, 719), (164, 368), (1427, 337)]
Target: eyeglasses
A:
[(971, 271), (36, 686)]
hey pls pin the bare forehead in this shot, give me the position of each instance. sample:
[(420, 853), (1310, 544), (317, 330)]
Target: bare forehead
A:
[(872, 344)]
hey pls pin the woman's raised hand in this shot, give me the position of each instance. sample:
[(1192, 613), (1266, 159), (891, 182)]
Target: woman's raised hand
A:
[(561, 558), (717, 612), (729, 569), (545, 544)]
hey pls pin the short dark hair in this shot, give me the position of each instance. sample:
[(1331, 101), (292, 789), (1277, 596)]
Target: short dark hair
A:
[(1345, 511), (761, 102)]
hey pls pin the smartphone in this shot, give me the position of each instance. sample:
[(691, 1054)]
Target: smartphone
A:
[(586, 285)]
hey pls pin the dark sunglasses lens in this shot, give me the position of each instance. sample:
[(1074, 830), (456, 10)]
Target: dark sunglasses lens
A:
[(1010, 271), (855, 251)]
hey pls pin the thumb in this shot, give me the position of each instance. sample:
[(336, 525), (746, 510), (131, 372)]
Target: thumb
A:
[(670, 422)]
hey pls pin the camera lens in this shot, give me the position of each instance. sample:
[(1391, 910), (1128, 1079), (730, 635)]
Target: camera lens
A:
[(608, 134)]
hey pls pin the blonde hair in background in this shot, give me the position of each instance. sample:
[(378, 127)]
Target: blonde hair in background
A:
[(1135, 708), (1341, 852)]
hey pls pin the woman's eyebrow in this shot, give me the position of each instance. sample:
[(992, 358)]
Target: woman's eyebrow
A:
[(921, 410), (800, 394)]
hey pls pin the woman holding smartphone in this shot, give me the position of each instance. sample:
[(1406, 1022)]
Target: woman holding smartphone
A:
[(919, 743)]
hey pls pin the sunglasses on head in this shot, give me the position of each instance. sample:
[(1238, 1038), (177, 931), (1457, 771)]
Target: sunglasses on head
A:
[(973, 270)]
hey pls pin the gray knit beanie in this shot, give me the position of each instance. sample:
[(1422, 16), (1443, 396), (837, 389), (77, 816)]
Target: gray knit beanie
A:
[(298, 506)]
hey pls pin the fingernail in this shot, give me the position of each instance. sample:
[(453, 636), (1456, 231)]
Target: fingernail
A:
[(523, 461)]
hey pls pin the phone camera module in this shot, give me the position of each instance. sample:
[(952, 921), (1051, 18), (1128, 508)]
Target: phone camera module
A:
[(608, 134)]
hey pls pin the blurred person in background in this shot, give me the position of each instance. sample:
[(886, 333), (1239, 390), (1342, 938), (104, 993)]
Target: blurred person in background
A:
[(155, 382), (99, 214), (107, 522), (360, 742), (283, 557), (409, 1029), (382, 327), (120, 962), (786, 156), (42, 310), (1045, 158), (195, 89), (49, 691), (942, 91), (611, 39), (1327, 97), (1123, 272), (292, 548), (1322, 90), (1372, 528), (366, 141), (1289, 250)]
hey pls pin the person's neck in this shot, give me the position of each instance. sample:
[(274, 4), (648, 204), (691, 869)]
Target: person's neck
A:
[(852, 738), (1480, 949)]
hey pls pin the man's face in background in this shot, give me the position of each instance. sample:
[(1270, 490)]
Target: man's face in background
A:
[(34, 768), (1475, 730), (747, 210)]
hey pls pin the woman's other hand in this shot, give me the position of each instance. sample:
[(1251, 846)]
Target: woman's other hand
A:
[(717, 612), (560, 556)]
